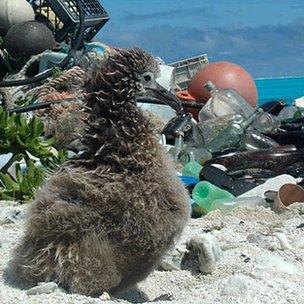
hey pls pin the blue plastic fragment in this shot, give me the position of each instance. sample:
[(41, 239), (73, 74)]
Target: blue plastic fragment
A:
[(189, 180), (192, 201)]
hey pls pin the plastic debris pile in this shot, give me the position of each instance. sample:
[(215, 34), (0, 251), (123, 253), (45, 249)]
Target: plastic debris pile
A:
[(233, 148)]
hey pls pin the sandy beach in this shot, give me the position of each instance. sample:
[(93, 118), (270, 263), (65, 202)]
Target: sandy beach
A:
[(261, 262)]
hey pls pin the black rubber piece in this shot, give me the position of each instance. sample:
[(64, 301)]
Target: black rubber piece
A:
[(221, 179)]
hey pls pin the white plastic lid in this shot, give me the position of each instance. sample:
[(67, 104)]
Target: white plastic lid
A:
[(14, 12)]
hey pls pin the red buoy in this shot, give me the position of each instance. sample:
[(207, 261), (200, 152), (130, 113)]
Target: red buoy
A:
[(224, 75)]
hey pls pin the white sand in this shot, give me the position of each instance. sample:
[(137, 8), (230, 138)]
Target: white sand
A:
[(269, 275)]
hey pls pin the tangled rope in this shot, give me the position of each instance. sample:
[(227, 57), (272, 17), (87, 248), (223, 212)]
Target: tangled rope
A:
[(50, 90)]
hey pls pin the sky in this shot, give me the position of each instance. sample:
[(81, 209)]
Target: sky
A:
[(266, 37)]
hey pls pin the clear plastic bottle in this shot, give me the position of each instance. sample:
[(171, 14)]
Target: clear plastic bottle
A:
[(183, 153), (226, 205), (233, 134), (266, 123), (224, 102), (255, 141), (192, 153), (212, 127), (287, 113)]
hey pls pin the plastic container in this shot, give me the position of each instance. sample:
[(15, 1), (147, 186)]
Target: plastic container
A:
[(287, 195), (232, 136), (212, 127), (50, 60), (188, 180), (186, 69), (189, 153), (193, 169), (274, 107), (299, 102), (64, 13), (226, 205), (224, 102), (95, 46), (266, 123), (287, 113), (255, 141), (165, 78), (177, 148), (204, 194)]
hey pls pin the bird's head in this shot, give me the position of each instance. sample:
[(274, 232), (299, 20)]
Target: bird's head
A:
[(128, 75)]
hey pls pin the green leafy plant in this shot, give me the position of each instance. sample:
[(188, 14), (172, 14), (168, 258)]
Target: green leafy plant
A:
[(24, 185), (22, 138), (54, 162)]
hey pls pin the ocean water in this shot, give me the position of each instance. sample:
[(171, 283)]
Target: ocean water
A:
[(286, 88)]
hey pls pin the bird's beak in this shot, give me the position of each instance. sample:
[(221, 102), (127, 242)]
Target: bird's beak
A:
[(156, 92)]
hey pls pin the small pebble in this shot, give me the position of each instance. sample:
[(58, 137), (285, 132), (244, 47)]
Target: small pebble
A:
[(301, 226), (173, 260), (42, 288), (105, 297), (285, 245)]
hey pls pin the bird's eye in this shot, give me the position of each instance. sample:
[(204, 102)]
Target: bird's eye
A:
[(147, 78)]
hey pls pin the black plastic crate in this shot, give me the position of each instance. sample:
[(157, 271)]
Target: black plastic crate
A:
[(63, 14), (66, 11)]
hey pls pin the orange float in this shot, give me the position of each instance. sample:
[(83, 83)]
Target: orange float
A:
[(224, 75)]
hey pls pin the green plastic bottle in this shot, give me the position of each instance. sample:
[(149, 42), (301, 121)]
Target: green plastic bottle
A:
[(192, 168), (204, 194)]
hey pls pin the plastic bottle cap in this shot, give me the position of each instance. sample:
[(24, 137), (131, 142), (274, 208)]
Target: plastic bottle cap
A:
[(209, 86)]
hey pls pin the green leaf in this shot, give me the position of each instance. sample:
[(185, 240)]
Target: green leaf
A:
[(19, 174), (24, 186), (6, 197), (22, 137), (7, 181), (36, 127), (31, 171), (20, 142), (50, 141)]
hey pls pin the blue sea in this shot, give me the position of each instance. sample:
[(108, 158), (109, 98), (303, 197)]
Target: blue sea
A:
[(286, 88)]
